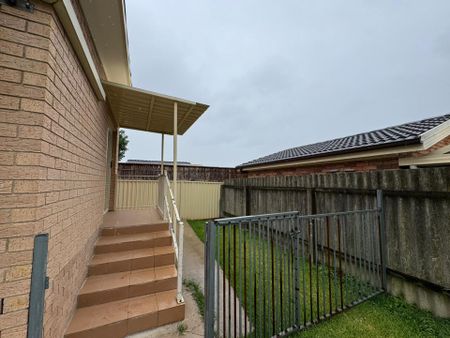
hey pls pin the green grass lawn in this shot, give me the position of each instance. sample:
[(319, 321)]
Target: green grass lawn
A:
[(382, 316)]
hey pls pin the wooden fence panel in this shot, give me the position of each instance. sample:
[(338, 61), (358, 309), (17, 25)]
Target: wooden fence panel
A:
[(417, 213)]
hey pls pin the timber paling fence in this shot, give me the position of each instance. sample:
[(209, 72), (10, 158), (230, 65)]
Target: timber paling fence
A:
[(271, 275)]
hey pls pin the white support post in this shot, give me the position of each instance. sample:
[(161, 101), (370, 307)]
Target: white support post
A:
[(175, 133), (180, 298), (162, 154)]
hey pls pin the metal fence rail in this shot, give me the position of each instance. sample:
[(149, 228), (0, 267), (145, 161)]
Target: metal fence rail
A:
[(270, 275)]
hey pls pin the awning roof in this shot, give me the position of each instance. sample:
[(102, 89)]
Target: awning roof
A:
[(140, 109)]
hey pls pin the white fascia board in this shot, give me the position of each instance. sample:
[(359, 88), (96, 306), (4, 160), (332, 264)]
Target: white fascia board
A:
[(68, 17), (440, 156), (433, 136)]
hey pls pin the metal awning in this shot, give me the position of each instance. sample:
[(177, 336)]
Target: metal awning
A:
[(140, 109)]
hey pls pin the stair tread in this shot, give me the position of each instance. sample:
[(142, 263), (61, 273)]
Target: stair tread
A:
[(96, 316), (145, 236), (132, 229), (98, 283), (130, 254)]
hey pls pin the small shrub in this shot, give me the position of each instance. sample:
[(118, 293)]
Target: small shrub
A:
[(181, 328)]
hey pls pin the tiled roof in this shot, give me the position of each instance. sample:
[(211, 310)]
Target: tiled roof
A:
[(403, 134)]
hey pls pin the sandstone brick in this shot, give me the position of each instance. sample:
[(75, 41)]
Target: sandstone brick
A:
[(13, 89), (9, 229), (23, 38), (30, 132), (15, 144), (20, 117), (53, 174), (22, 186), (12, 21), (5, 217), (11, 48), (38, 29), (28, 158), (34, 79), (24, 215), (2, 245), (18, 280), (13, 319), (6, 187), (9, 102), (15, 332), (20, 244), (9, 130), (20, 63), (37, 54), (15, 258), (51, 197), (10, 75), (16, 303)]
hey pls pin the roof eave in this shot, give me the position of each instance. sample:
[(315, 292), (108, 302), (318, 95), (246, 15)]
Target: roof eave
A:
[(107, 23), (398, 144)]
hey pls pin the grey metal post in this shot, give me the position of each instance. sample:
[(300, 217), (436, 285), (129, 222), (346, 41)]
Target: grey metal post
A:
[(39, 282), (296, 290), (382, 224), (209, 278)]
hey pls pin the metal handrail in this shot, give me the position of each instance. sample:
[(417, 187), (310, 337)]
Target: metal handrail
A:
[(170, 213), (172, 231), (174, 204), (257, 217)]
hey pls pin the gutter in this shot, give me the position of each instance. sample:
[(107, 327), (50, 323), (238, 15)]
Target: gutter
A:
[(66, 13)]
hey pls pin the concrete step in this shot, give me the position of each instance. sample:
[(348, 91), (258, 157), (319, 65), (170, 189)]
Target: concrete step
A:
[(134, 229), (132, 241), (106, 288), (120, 318), (128, 260)]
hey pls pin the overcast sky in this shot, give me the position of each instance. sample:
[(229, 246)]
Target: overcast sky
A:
[(279, 74)]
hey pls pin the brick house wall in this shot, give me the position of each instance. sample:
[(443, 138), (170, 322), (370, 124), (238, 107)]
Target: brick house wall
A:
[(53, 144)]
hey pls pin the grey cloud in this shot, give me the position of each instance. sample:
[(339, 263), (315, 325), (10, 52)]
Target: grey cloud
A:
[(279, 74)]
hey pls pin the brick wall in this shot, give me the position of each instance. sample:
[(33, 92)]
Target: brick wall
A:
[(52, 172), (354, 166)]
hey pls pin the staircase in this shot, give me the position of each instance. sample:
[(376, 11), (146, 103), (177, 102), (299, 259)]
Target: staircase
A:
[(131, 284)]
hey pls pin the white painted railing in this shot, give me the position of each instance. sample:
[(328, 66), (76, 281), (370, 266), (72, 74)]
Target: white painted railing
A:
[(168, 208)]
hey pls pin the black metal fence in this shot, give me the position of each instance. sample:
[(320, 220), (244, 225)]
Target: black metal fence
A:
[(270, 275)]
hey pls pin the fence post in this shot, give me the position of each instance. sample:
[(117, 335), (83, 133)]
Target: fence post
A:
[(209, 278), (39, 283), (296, 289), (382, 235)]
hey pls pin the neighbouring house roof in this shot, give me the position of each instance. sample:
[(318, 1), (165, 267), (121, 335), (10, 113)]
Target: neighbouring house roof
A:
[(402, 135)]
